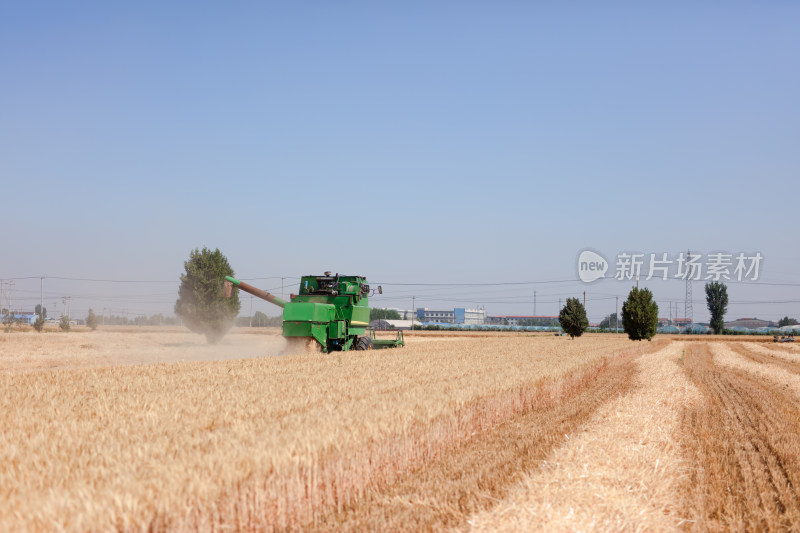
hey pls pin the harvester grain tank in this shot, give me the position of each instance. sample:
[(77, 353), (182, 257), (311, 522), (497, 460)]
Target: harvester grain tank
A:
[(331, 312)]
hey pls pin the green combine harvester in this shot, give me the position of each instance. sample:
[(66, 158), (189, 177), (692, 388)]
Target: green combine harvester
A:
[(330, 313)]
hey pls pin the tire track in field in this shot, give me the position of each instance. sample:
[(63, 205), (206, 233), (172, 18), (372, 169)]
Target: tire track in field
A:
[(764, 359), (445, 491), (743, 442)]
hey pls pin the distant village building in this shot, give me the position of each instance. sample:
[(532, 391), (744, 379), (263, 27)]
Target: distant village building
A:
[(23, 317), (750, 323), (459, 315), (680, 322)]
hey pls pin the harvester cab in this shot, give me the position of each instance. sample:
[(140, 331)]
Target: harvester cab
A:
[(331, 311)]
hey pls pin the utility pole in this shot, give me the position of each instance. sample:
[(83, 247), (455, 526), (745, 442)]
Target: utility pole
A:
[(534, 303), (10, 285), (41, 297), (616, 317), (413, 310), (687, 311), (251, 308), (584, 299), (5, 295)]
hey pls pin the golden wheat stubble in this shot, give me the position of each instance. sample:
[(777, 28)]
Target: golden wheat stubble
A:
[(443, 493), (764, 359), (743, 443)]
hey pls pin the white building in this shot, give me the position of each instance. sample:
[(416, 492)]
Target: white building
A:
[(459, 315)]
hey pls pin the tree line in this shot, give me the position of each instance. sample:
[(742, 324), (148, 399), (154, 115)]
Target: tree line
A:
[(640, 313)]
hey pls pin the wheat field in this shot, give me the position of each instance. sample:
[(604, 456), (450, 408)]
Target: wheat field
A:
[(151, 429)]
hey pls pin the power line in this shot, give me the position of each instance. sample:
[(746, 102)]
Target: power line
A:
[(97, 280), (478, 284)]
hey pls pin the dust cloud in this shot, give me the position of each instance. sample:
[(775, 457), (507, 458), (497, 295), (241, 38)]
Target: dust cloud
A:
[(127, 345)]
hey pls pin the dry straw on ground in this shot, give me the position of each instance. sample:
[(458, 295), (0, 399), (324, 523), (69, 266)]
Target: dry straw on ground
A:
[(475, 473), (743, 443), (766, 364), (622, 471)]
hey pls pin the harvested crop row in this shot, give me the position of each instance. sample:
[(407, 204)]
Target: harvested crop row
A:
[(621, 471), (765, 357), (743, 440), (789, 352), (270, 442), (444, 491), (788, 382)]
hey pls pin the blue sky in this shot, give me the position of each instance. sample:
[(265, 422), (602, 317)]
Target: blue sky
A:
[(410, 142)]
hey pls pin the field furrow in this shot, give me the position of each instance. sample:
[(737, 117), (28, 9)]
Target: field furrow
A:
[(742, 439)]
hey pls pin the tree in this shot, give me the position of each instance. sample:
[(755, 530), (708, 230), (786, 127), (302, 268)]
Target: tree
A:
[(610, 322), (717, 300), (538, 321), (64, 323), (38, 324), (260, 318), (200, 302), (40, 311), (8, 319), (573, 318), (91, 320), (786, 321), (640, 315), (384, 314)]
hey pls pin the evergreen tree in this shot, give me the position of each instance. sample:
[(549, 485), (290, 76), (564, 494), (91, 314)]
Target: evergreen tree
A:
[(717, 300), (200, 302), (91, 320), (640, 315), (572, 318), (385, 314), (610, 322)]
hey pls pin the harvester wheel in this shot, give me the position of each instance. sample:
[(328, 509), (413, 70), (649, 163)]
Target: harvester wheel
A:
[(364, 343)]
